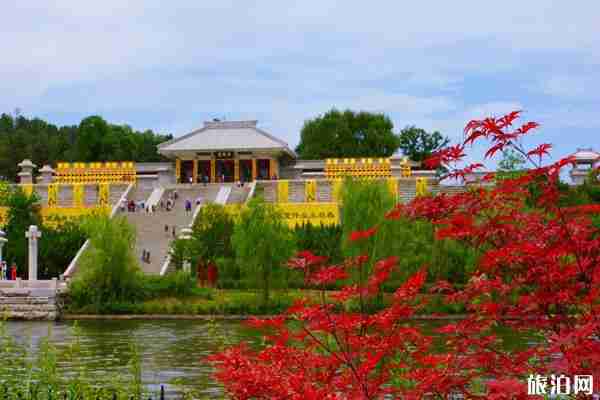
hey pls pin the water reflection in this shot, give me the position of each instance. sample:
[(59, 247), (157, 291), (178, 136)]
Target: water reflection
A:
[(170, 351)]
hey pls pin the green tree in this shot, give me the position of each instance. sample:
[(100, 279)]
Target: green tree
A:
[(511, 161), (418, 144), (211, 233), (347, 134), (263, 243), (365, 204), (22, 212), (511, 165), (58, 246), (94, 139), (108, 271)]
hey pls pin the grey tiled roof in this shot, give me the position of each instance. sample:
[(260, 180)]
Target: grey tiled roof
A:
[(226, 135)]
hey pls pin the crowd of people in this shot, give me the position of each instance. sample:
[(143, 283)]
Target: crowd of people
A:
[(8, 273), (164, 205)]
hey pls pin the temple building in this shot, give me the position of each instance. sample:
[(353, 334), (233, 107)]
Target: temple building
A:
[(231, 151), (227, 151)]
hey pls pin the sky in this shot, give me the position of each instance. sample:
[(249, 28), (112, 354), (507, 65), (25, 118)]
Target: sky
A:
[(169, 66)]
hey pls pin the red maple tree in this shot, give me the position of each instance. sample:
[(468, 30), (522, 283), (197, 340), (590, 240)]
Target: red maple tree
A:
[(538, 274)]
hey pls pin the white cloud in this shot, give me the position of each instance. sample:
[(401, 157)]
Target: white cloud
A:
[(571, 87), (283, 62)]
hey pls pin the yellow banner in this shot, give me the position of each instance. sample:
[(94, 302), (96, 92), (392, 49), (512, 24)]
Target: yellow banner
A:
[(421, 187), (393, 186), (53, 195), (405, 168), (3, 216), (336, 190), (300, 213), (310, 191), (314, 213), (103, 194), (55, 216), (78, 195), (282, 191)]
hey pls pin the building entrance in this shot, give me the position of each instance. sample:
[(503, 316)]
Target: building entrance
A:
[(204, 171), (246, 170), (187, 171), (225, 170)]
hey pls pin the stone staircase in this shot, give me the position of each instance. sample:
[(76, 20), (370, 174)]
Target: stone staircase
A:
[(268, 190), (324, 191), (407, 190), (29, 304), (296, 191), (150, 227), (238, 195)]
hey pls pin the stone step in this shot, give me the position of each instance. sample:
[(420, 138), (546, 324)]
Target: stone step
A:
[(29, 307), (150, 234), (33, 315), (25, 300)]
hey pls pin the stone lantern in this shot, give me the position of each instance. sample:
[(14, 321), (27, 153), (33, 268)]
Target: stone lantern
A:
[(186, 233), (26, 174), (47, 174)]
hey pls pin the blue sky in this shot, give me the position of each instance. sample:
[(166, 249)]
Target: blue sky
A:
[(168, 66)]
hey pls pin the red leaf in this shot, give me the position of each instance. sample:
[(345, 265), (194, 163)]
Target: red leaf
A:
[(362, 235)]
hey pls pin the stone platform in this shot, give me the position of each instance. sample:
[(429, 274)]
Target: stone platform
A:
[(30, 300)]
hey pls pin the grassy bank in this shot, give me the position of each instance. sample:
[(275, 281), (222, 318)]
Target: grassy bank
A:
[(203, 301), (200, 301)]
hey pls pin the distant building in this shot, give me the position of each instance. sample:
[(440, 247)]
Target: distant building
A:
[(585, 160)]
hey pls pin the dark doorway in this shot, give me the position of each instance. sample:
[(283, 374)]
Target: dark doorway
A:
[(263, 169), (204, 170), (246, 170), (225, 170), (187, 171)]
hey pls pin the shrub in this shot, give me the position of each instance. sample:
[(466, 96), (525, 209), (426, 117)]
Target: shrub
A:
[(179, 283), (322, 240), (211, 233), (108, 269)]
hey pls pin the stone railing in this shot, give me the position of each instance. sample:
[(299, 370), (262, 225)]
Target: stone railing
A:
[(52, 284)]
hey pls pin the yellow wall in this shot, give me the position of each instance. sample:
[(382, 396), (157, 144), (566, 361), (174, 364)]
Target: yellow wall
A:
[(53, 216), (300, 213)]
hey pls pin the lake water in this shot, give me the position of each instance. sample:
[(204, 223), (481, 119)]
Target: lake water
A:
[(172, 353)]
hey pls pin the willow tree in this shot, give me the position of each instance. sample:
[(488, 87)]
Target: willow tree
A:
[(263, 243)]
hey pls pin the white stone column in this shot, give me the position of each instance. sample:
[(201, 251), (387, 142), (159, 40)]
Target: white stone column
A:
[(33, 235), (3, 240)]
